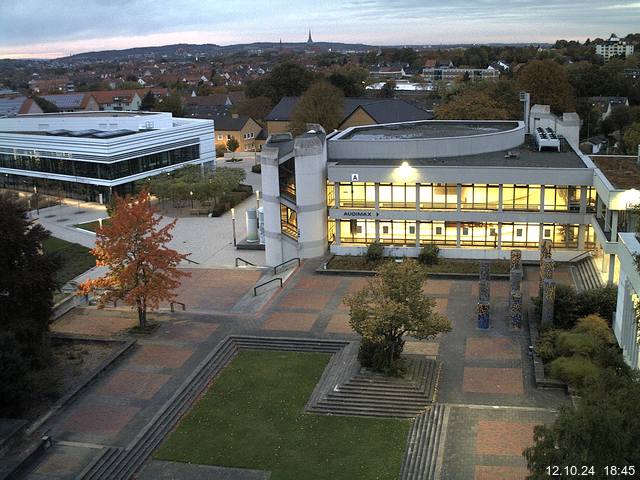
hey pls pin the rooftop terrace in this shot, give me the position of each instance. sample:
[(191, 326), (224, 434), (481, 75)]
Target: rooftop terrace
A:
[(428, 129), (621, 170)]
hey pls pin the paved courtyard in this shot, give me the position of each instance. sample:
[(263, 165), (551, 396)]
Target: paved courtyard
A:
[(486, 377)]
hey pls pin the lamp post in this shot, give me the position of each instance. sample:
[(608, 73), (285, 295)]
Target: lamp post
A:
[(257, 200), (191, 196), (35, 197), (233, 225)]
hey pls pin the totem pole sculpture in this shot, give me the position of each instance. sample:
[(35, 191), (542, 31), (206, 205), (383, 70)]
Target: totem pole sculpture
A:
[(515, 291), (484, 306)]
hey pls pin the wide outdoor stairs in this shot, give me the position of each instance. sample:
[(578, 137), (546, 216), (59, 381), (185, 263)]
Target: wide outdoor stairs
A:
[(585, 274), (425, 445), (359, 392), (121, 464)]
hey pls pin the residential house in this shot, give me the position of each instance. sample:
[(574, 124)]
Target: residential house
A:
[(128, 100), (241, 127), (73, 102), (17, 105), (356, 112), (606, 104), (614, 47)]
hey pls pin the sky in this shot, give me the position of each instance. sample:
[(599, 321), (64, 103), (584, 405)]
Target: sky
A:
[(56, 28)]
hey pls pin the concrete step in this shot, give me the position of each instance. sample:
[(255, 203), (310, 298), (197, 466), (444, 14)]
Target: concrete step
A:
[(424, 443)]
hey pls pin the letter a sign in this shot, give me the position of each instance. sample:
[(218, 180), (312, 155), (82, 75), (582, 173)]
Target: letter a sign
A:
[(355, 177)]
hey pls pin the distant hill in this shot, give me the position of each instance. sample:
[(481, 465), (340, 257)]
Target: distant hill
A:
[(207, 49)]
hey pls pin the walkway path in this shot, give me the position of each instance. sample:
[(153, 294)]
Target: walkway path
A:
[(486, 378)]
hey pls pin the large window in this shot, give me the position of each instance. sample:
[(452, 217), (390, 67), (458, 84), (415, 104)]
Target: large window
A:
[(397, 195), (438, 196), (561, 236), (357, 195), (525, 235), (521, 197), (331, 194), (479, 234), (357, 231), (590, 240), (479, 197), (558, 198), (100, 170), (288, 221), (440, 233), (398, 232), (287, 179), (591, 199)]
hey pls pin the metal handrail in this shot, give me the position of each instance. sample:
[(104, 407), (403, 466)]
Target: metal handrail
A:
[(191, 261), (255, 289), (583, 254), (245, 261), (284, 263), (184, 307)]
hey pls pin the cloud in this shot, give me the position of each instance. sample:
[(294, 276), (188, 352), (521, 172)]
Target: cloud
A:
[(83, 25)]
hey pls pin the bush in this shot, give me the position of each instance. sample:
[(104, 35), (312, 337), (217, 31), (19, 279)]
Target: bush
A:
[(596, 327), (575, 370), (220, 150), (256, 168), (600, 300), (429, 254), (564, 311), (546, 345), (570, 343), (375, 252)]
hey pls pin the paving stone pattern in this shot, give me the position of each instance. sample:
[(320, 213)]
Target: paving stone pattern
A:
[(480, 369)]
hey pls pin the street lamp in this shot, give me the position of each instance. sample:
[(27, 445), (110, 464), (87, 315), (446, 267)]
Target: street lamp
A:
[(257, 200), (233, 225), (35, 196), (191, 196)]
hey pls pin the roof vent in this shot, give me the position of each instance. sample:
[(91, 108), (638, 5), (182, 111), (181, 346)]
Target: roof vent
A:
[(547, 138)]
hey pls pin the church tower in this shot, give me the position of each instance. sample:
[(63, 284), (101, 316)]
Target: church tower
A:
[(309, 40)]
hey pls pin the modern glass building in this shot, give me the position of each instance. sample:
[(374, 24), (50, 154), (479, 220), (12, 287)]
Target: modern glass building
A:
[(91, 155), (477, 189)]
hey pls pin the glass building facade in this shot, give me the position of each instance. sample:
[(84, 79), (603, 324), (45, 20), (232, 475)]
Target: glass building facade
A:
[(413, 232)]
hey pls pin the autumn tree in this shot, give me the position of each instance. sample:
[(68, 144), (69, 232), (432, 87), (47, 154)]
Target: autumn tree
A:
[(388, 90), (142, 270), (472, 105), (322, 103), (172, 103), (548, 83), (392, 305)]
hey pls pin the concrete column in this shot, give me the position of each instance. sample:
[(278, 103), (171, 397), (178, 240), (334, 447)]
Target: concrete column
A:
[(377, 230), (417, 234), (499, 199), (582, 232), (337, 240), (271, 204), (607, 221), (500, 225), (457, 226), (614, 225), (541, 198), (377, 190), (583, 200), (598, 207), (417, 198), (612, 269), (458, 207), (336, 194)]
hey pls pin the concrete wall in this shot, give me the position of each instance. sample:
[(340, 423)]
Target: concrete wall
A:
[(568, 126), (274, 250), (311, 198), (358, 117), (406, 149)]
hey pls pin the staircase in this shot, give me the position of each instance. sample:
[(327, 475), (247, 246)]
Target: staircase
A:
[(370, 394), (585, 274), (121, 464), (425, 442)]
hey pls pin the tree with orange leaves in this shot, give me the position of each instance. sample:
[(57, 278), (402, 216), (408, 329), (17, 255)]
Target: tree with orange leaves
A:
[(142, 270)]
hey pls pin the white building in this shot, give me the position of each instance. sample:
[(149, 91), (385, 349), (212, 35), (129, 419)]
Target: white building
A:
[(477, 189), (614, 47), (89, 155)]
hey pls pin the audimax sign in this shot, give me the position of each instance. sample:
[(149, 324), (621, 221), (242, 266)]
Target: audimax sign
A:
[(360, 214)]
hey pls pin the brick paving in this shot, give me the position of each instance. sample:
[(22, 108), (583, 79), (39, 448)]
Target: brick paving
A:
[(481, 370), (493, 380)]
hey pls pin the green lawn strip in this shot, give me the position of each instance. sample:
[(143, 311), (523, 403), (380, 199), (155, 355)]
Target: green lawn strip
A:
[(252, 417), (75, 259), (444, 265), (92, 226)]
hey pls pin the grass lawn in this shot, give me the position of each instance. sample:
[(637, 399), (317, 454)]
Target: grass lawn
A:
[(76, 259), (91, 226), (444, 265), (252, 417)]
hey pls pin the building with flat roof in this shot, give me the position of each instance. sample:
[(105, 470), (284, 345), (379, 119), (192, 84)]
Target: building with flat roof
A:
[(91, 155), (614, 47)]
